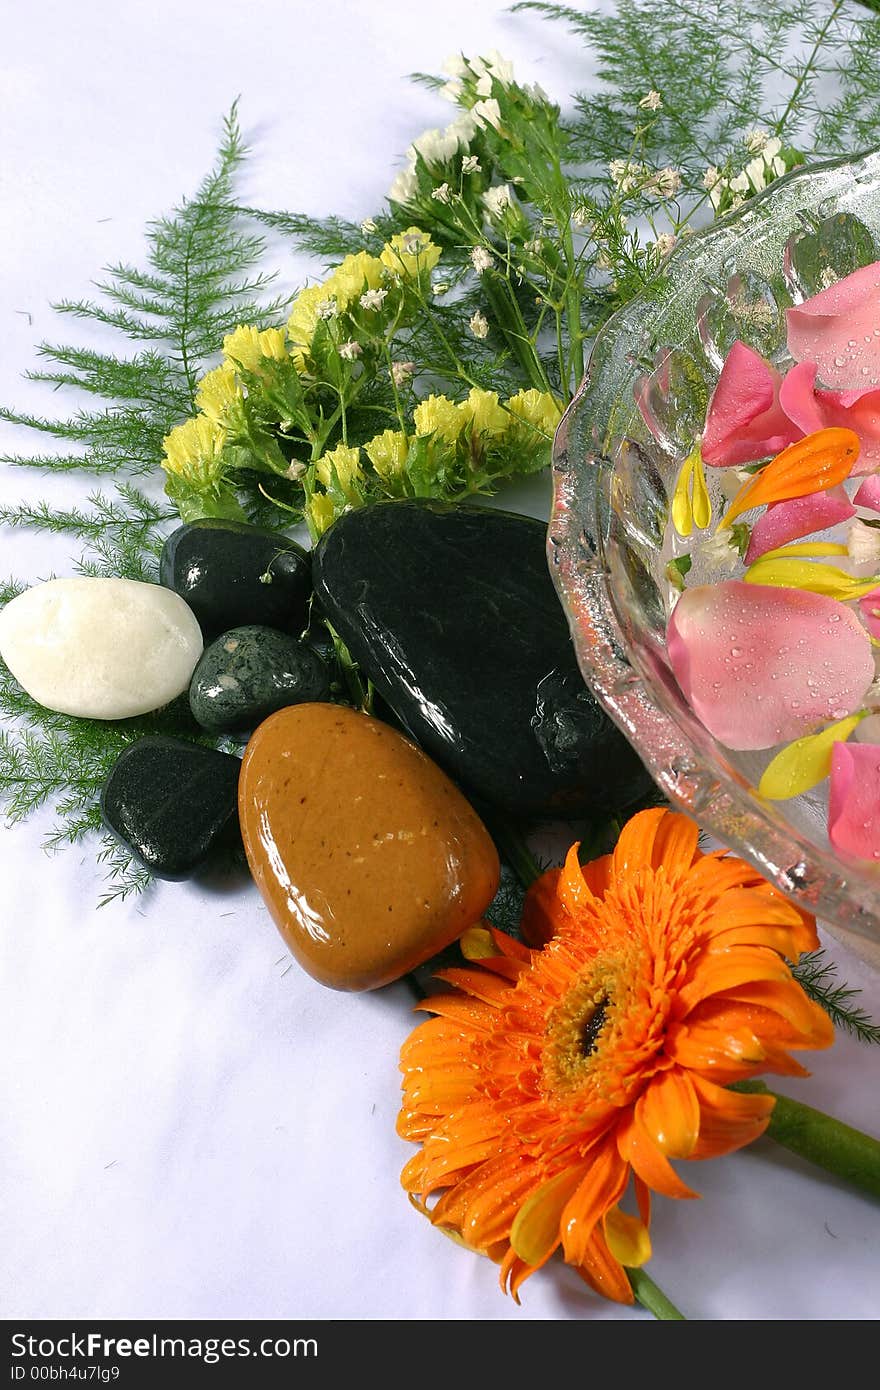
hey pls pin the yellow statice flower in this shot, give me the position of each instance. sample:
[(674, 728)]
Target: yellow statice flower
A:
[(440, 416), (356, 274), (387, 453), (332, 296), (219, 394), (537, 408), (193, 452), (486, 414), (346, 462), (410, 253), (247, 346), (320, 512)]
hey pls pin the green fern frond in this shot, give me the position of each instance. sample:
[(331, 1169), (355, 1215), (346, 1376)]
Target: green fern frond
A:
[(818, 977)]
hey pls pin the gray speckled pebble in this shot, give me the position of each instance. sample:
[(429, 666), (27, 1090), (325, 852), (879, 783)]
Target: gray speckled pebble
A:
[(248, 673)]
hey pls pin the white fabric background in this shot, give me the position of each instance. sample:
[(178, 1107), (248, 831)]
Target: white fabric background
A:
[(189, 1127)]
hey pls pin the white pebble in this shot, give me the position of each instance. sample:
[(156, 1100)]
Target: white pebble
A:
[(100, 648)]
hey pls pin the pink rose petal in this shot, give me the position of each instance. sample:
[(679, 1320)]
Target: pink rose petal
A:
[(868, 494), (810, 410), (761, 665), (799, 516), (869, 607), (839, 330), (854, 801), (745, 421)]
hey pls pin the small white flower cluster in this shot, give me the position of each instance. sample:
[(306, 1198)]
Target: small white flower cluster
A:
[(652, 102), (479, 325), (492, 65), (435, 148), (496, 200), (630, 176), (731, 191), (481, 259)]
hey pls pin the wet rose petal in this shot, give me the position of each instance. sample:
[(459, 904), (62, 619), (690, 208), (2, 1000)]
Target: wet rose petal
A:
[(745, 421), (810, 409), (839, 330), (869, 607), (868, 494), (854, 800), (798, 516), (761, 665)]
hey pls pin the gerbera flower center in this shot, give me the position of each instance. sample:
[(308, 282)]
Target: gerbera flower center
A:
[(575, 1030)]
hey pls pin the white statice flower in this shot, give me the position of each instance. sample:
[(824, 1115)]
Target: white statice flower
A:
[(484, 85), (779, 166), (626, 175), (455, 65), (712, 176), (497, 199), (452, 90), (350, 351), (495, 64), (404, 187), (401, 372), (326, 308), (536, 92), (756, 140), (652, 102), (772, 148), (665, 183), (481, 259), (740, 184), (295, 471), (863, 545), (756, 170), (368, 226), (434, 146), (479, 325), (471, 165), (487, 113), (717, 553), (463, 128), (442, 194), (373, 299), (664, 243)]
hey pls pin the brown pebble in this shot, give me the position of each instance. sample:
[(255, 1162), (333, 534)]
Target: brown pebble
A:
[(368, 857)]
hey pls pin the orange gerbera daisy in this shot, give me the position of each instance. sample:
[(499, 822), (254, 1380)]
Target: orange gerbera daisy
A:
[(554, 1080)]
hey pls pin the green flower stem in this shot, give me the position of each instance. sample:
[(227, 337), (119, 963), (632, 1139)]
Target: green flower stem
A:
[(509, 321), (652, 1297), (829, 1143)]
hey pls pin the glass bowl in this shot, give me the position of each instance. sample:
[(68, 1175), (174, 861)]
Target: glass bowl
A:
[(613, 480)]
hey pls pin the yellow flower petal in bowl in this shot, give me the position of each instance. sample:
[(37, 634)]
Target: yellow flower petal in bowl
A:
[(806, 762)]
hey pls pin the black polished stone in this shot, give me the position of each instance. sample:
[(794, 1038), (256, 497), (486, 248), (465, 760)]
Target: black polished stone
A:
[(248, 673), (170, 802), (232, 573), (452, 614)]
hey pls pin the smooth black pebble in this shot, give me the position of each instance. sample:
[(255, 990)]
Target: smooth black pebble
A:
[(452, 614), (171, 802), (232, 573), (248, 673)]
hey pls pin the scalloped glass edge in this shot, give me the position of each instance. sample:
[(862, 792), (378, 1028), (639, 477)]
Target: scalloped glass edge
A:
[(693, 771)]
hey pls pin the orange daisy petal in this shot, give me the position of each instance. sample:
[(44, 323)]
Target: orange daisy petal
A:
[(469, 1012), (603, 1272), (535, 1233), (572, 889), (676, 842), (726, 971), (812, 1025), (601, 1188), (670, 1113), (814, 464), (475, 983), (729, 1119), (635, 846), (541, 908), (636, 1147)]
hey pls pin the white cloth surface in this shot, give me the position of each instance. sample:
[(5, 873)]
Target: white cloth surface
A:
[(189, 1125)]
